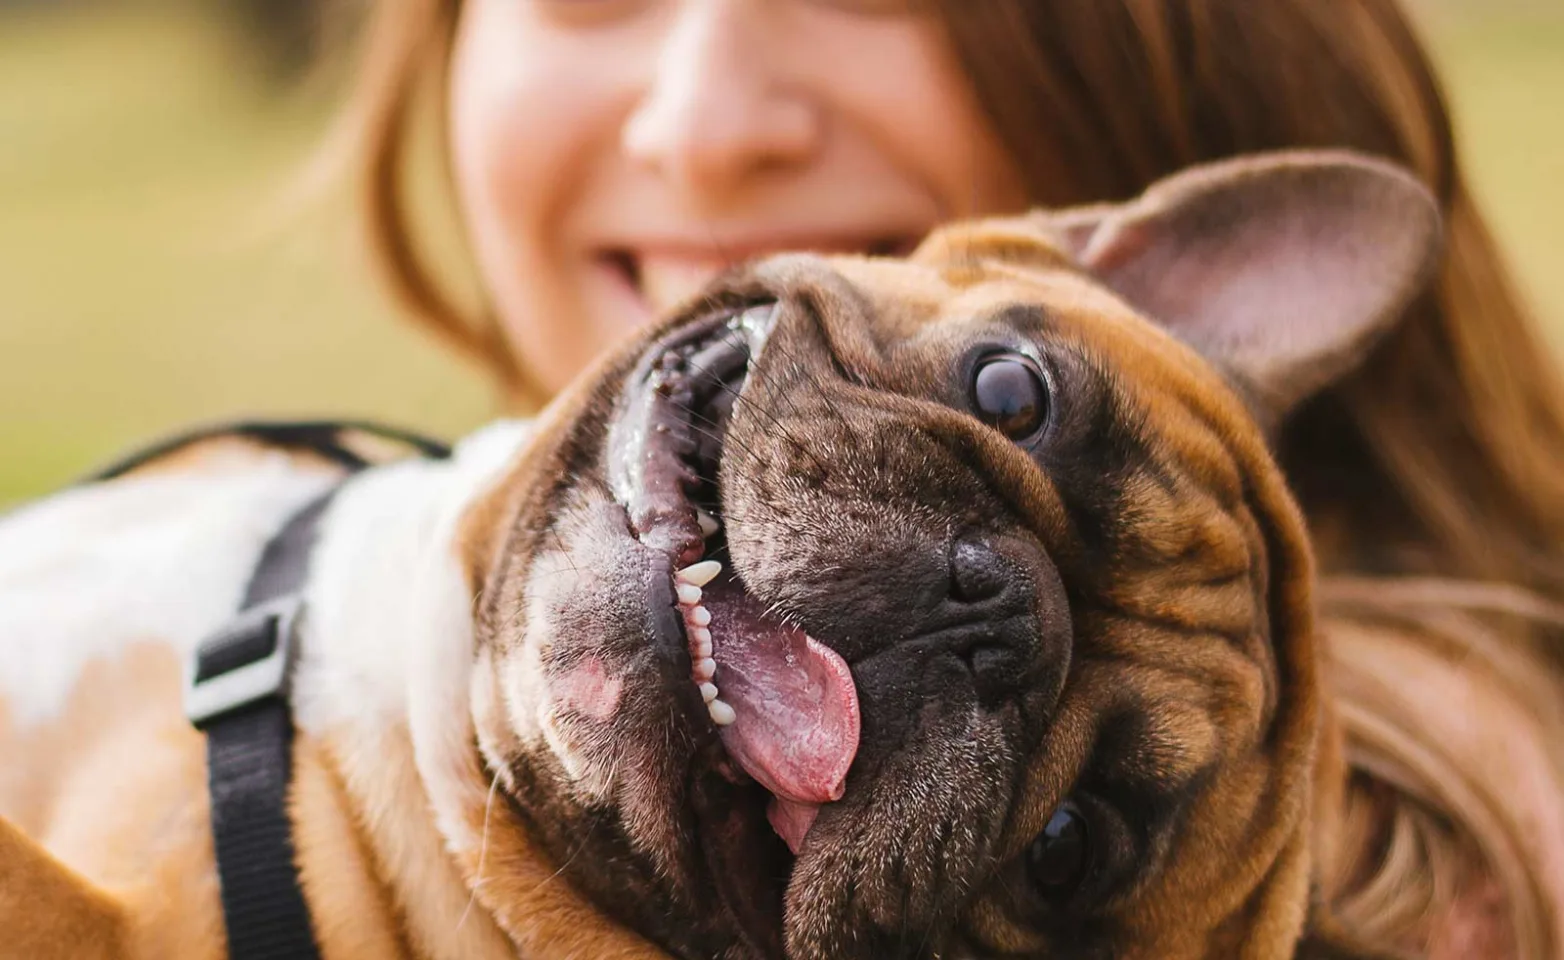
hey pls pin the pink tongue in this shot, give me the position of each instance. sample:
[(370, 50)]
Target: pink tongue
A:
[(792, 820), (796, 709)]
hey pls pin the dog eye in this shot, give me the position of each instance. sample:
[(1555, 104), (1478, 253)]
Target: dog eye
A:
[(1009, 394), (1057, 860)]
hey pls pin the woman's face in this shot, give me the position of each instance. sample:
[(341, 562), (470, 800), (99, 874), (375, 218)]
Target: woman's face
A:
[(612, 155)]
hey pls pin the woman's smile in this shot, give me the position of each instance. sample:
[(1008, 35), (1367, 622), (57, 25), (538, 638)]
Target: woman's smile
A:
[(610, 165), (659, 272)]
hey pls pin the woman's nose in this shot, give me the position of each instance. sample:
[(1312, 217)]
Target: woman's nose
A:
[(715, 114)]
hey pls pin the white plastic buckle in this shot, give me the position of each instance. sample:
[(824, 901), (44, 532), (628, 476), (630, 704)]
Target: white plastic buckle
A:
[(251, 682)]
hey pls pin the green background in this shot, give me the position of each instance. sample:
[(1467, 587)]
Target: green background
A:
[(159, 264)]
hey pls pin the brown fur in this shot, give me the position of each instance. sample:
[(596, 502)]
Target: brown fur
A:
[(105, 848), (1175, 690), (65, 915), (144, 842), (1441, 456), (1197, 614)]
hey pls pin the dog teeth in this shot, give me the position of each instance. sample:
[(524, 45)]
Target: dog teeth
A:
[(709, 524), (699, 574), (687, 585)]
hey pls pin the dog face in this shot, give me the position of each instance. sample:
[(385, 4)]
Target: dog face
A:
[(1009, 652)]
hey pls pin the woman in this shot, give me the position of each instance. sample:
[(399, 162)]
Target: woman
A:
[(609, 155)]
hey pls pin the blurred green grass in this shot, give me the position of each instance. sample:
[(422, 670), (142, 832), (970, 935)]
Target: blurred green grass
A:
[(138, 159), (149, 276)]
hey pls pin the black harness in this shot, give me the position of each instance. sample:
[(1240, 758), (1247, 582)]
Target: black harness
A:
[(237, 695)]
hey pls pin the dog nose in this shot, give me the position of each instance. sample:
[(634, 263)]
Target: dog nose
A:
[(977, 573), (982, 614), (989, 603)]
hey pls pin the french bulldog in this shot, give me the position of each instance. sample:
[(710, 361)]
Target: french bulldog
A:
[(942, 606)]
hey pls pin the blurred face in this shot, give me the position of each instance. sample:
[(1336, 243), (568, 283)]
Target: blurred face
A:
[(611, 156)]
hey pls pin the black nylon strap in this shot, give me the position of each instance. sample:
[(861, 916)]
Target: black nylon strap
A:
[(239, 697), (284, 564), (249, 756), (325, 438), (249, 762)]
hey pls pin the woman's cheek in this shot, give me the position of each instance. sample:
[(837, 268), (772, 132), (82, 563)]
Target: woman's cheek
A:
[(530, 112), (517, 128)]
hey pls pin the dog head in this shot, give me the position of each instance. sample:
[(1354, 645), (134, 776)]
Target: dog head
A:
[(1010, 649)]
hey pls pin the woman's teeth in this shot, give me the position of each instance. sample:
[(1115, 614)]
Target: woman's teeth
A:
[(665, 282), (687, 584)]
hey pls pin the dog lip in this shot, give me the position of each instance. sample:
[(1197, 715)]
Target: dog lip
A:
[(662, 613), (652, 454), (649, 439), (654, 430)]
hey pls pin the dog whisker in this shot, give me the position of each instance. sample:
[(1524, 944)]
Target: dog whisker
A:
[(483, 849)]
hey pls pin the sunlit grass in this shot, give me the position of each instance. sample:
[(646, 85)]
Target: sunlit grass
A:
[(136, 159), (143, 282)]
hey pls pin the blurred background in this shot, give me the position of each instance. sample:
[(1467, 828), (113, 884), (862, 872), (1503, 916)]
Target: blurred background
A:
[(158, 268)]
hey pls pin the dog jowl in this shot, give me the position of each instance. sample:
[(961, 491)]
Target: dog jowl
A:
[(948, 606)]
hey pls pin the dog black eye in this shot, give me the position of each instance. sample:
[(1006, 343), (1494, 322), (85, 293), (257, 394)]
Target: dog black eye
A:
[(1009, 394), (1057, 860)]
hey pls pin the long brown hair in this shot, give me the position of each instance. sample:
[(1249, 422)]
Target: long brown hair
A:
[(1433, 479)]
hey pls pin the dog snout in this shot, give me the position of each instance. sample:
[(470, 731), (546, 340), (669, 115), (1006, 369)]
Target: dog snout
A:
[(991, 618)]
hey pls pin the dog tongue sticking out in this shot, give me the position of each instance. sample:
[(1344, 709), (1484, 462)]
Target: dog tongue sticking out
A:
[(796, 709)]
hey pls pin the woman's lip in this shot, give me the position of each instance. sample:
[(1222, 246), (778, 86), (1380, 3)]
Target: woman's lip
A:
[(665, 273), (737, 248)]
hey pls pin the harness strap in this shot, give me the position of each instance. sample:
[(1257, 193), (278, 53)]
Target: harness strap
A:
[(325, 438), (238, 696)]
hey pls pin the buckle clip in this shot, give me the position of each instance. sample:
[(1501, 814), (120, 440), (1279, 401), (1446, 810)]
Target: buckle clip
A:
[(248, 661)]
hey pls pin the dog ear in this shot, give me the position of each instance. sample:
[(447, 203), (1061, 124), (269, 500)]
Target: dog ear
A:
[(1283, 268)]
